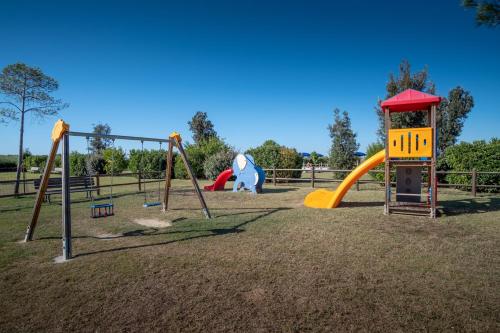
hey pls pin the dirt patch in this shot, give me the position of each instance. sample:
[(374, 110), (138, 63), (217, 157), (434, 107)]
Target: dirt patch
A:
[(154, 223)]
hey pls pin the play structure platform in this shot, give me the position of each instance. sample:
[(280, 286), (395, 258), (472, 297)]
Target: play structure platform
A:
[(330, 199)]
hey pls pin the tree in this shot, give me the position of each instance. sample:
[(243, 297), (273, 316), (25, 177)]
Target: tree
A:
[(201, 127), (487, 12), (405, 80), (27, 90), (98, 144), (344, 144), (451, 113)]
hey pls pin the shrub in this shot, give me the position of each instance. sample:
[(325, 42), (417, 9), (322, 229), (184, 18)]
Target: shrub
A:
[(371, 150), (96, 164), (8, 161), (197, 154), (115, 160), (270, 154), (148, 162), (289, 159), (77, 164), (482, 155), (217, 163), (37, 161)]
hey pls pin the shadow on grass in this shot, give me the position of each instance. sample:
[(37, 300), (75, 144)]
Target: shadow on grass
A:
[(470, 206), (208, 232), (360, 204)]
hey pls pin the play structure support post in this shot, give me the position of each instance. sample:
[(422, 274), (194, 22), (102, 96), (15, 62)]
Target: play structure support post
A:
[(168, 174), (66, 202), (433, 162), (177, 139), (474, 182), (274, 175), (313, 176), (387, 167)]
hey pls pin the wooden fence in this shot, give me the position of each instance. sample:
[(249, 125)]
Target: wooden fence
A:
[(313, 179), (27, 187)]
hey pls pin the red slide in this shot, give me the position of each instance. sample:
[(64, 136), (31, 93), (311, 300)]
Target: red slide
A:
[(220, 181)]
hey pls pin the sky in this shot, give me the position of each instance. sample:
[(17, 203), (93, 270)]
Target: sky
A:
[(260, 69)]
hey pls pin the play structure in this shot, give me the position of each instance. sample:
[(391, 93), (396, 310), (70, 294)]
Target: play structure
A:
[(61, 133), (409, 150), (248, 176)]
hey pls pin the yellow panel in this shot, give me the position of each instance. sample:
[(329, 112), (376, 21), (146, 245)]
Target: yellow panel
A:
[(410, 142)]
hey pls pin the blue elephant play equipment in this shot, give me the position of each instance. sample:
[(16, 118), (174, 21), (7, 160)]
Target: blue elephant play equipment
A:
[(248, 175)]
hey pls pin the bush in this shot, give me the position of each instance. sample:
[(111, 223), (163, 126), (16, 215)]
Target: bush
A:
[(371, 150), (482, 155), (270, 154), (217, 163), (150, 163), (8, 161), (115, 160), (78, 164), (95, 164), (197, 154), (35, 161)]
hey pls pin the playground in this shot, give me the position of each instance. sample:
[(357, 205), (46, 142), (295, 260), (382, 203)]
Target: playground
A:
[(263, 262)]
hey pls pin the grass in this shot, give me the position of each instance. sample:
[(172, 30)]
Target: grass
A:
[(264, 263)]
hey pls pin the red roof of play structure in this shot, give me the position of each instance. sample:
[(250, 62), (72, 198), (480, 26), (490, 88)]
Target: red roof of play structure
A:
[(410, 100)]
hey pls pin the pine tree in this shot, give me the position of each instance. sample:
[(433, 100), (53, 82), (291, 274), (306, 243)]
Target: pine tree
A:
[(344, 144)]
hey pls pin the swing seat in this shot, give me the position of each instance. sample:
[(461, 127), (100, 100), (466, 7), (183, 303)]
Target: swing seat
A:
[(102, 210), (151, 204)]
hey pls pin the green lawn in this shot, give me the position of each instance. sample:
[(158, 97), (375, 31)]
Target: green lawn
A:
[(264, 263)]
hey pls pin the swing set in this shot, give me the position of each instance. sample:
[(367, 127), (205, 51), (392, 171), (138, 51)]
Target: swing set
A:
[(61, 134)]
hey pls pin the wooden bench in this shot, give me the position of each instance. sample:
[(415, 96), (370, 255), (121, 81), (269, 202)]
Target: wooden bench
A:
[(76, 184)]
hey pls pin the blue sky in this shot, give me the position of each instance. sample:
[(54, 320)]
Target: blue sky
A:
[(260, 69)]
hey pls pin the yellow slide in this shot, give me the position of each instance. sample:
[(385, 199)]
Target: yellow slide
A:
[(330, 199)]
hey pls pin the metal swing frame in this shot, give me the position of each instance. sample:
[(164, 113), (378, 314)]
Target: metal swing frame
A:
[(61, 133)]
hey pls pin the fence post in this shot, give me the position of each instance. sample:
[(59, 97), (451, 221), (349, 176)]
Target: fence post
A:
[(357, 185), (24, 179), (98, 184), (474, 182), (313, 176)]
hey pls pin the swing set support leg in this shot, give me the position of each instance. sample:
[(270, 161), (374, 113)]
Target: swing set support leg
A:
[(177, 139), (168, 175)]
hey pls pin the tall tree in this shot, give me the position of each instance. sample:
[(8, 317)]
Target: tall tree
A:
[(201, 127), (98, 144), (405, 80), (487, 12), (451, 113), (27, 90), (344, 144)]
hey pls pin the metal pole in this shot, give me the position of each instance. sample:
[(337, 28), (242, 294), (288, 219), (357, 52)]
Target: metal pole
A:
[(66, 202)]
